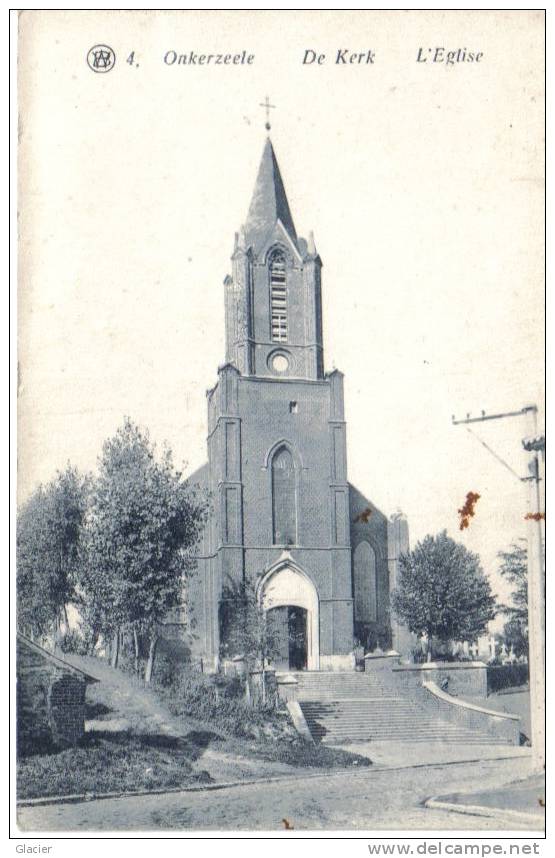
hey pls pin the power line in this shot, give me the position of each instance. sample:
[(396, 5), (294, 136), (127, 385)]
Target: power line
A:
[(496, 456)]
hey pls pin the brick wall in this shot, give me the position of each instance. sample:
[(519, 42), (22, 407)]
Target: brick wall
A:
[(67, 709), (50, 703)]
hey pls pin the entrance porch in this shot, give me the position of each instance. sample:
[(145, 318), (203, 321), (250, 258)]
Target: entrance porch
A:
[(291, 599)]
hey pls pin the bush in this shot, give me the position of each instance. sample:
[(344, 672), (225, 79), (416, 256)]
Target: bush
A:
[(164, 670), (74, 642), (506, 676), (126, 663), (220, 700), (417, 655)]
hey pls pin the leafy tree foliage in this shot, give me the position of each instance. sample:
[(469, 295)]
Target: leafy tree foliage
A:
[(248, 630), (143, 524), (49, 541), (514, 567), (515, 637), (442, 592)]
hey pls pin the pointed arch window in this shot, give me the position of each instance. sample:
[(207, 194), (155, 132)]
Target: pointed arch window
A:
[(278, 297), (366, 606), (284, 511)]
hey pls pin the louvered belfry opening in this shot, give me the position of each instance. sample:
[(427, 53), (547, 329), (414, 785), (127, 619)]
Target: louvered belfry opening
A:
[(278, 297)]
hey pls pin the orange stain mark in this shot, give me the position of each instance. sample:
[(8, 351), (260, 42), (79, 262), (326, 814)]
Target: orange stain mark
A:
[(364, 515), (468, 510)]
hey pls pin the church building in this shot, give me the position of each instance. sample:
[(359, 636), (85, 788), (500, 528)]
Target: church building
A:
[(320, 554)]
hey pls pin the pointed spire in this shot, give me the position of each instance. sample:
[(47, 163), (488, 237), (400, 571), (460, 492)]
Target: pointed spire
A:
[(311, 244), (242, 238), (269, 201)]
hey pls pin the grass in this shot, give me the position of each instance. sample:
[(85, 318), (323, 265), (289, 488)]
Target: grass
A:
[(124, 762), (113, 762), (302, 754)]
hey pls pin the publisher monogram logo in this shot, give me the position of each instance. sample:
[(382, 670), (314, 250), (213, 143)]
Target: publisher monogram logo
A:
[(101, 59)]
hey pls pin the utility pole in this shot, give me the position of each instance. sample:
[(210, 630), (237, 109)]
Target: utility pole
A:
[(533, 444)]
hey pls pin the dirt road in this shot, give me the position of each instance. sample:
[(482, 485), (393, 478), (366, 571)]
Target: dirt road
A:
[(364, 800)]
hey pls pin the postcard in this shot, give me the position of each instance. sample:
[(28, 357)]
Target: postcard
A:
[(280, 546)]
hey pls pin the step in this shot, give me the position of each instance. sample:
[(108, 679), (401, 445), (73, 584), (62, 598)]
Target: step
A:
[(310, 696), (335, 693), (370, 712), (435, 730), (381, 725), (330, 683), (407, 737), (433, 725), (410, 734), (438, 736), (358, 688), (374, 712), (365, 700), (417, 740), (337, 679), (336, 683), (390, 725), (350, 685)]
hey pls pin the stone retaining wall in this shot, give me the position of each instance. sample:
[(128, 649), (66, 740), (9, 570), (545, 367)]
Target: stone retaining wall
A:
[(464, 679), (498, 724)]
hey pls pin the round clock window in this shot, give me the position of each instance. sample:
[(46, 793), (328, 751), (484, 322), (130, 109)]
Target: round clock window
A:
[(280, 363)]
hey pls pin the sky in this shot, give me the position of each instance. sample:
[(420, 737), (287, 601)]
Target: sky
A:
[(422, 182)]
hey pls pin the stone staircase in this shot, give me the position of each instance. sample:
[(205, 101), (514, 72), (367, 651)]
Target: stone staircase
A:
[(345, 708)]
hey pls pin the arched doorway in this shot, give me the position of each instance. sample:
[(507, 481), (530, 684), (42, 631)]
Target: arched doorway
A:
[(291, 597)]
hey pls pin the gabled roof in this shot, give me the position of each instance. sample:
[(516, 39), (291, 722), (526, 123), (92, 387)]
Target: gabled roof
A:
[(278, 234), (53, 659), (269, 201)]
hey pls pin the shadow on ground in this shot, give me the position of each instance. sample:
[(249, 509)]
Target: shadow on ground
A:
[(96, 710), (192, 745)]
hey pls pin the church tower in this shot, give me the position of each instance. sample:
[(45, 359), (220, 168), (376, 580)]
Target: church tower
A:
[(283, 513), (273, 298)]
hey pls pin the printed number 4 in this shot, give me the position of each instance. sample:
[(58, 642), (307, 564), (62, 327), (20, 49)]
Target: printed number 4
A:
[(131, 58)]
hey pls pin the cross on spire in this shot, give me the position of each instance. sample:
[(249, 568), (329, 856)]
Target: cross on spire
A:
[(268, 106)]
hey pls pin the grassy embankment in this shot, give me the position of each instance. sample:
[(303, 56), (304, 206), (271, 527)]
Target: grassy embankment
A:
[(139, 738)]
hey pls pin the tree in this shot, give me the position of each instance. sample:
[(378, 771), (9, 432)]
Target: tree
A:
[(442, 592), (514, 567), (515, 637), (248, 630), (49, 539), (144, 523)]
